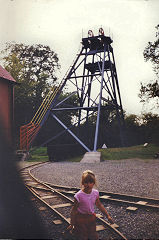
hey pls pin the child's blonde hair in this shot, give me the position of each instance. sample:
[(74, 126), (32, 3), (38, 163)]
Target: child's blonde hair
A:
[(88, 177)]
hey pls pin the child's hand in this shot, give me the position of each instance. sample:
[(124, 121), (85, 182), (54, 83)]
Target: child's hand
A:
[(110, 220), (68, 231), (70, 228)]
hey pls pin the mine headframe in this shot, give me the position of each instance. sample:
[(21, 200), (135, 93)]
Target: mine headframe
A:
[(93, 77)]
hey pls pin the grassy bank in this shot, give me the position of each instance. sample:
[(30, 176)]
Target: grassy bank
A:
[(130, 152), (40, 154)]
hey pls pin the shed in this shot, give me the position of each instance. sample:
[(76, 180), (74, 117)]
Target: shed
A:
[(7, 83)]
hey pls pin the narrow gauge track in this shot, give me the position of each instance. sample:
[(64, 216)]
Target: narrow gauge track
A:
[(131, 200), (61, 204)]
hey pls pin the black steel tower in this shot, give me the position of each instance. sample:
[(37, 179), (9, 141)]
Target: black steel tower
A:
[(93, 78)]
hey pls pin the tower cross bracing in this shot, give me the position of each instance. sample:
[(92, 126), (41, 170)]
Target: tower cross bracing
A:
[(93, 79)]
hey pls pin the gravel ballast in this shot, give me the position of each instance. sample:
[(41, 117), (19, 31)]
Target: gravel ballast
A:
[(134, 177)]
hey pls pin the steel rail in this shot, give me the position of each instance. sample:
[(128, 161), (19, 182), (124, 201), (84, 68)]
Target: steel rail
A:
[(31, 188), (137, 201), (115, 197), (48, 205)]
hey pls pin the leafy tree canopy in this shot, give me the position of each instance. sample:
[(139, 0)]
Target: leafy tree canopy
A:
[(151, 53), (34, 68), (37, 59)]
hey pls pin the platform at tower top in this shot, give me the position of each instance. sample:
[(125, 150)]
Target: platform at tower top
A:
[(96, 42)]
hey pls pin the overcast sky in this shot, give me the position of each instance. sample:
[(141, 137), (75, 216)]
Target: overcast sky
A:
[(62, 23)]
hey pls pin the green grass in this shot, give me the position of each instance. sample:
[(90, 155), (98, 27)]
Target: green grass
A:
[(40, 154), (129, 152)]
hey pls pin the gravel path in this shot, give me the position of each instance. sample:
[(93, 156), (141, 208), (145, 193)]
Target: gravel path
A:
[(138, 177), (133, 176)]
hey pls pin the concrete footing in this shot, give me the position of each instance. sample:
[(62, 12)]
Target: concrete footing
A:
[(91, 157)]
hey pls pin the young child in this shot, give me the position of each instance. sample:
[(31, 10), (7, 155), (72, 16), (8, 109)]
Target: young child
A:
[(83, 218)]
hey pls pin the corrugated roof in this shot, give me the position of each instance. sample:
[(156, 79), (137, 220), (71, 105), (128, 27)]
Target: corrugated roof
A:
[(6, 75)]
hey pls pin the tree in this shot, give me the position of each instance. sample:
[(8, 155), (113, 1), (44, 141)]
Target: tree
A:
[(34, 68), (143, 128), (133, 130), (150, 125), (151, 53)]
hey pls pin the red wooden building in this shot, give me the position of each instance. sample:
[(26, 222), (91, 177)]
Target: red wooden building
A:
[(7, 83)]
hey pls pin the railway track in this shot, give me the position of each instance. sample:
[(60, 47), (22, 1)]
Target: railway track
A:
[(56, 199), (132, 200)]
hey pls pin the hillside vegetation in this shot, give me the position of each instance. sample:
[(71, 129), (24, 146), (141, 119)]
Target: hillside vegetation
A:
[(139, 151)]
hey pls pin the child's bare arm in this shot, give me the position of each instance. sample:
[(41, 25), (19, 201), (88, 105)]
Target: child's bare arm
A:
[(103, 210)]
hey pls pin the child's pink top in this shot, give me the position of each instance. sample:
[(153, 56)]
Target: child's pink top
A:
[(86, 201)]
